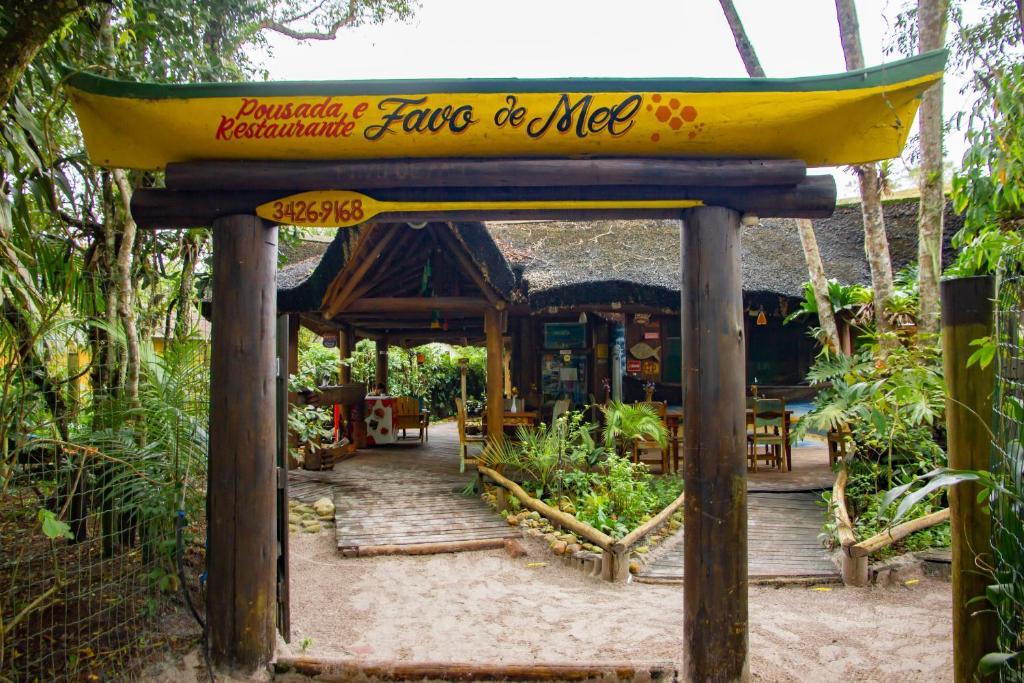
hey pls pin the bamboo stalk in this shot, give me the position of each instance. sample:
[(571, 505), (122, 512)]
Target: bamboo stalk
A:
[(630, 539), (601, 540), (890, 536)]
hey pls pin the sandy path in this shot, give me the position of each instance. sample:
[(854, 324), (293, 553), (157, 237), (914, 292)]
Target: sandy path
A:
[(488, 607)]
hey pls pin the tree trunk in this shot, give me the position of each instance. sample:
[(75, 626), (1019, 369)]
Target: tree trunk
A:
[(125, 299), (876, 247), (743, 44), (819, 283), (931, 23), (849, 34), (31, 24), (190, 246), (876, 243), (815, 267)]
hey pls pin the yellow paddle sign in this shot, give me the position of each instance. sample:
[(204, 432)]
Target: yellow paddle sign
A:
[(344, 208)]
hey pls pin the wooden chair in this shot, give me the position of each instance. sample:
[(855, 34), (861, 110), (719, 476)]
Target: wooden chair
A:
[(466, 440), (642, 445), (408, 416), (840, 445), (767, 428)]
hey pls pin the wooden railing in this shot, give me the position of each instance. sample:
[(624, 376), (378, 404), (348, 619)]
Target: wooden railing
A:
[(615, 554), (855, 554)]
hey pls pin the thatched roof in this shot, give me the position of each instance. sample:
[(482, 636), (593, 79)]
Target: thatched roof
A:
[(560, 263), (310, 266), (637, 261)]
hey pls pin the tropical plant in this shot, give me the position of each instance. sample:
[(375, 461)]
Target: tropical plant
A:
[(625, 423)]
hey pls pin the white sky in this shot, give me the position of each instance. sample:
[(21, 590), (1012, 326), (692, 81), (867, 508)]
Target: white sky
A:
[(628, 38)]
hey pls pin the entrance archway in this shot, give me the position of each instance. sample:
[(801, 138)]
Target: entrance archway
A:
[(708, 152)]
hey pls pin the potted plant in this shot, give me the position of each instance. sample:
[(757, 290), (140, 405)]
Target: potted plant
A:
[(307, 424)]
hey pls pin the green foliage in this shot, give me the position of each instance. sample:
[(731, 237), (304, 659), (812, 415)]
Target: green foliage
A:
[(895, 410), (854, 299), (436, 381), (625, 423), (564, 465), (989, 187)]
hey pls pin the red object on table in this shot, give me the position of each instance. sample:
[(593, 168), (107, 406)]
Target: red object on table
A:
[(337, 421)]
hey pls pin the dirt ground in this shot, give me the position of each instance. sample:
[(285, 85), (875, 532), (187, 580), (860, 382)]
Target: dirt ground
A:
[(489, 607)]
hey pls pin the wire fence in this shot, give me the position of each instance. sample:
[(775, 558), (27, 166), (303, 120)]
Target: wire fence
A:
[(93, 558), (1007, 506)]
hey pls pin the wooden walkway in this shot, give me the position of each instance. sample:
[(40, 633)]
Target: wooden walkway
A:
[(404, 499), (782, 542)]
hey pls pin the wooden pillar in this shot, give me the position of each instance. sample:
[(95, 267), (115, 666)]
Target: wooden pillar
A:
[(381, 374), (241, 499), (495, 404), (715, 627), (293, 343), (344, 351), (966, 316)]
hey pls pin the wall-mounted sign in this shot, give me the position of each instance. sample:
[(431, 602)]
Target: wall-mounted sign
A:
[(633, 366), (565, 336), (826, 120), (330, 341)]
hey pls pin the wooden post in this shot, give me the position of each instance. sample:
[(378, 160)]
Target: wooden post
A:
[(344, 351), (715, 628), (495, 404), (293, 343), (284, 618), (242, 482), (966, 316), (381, 374)]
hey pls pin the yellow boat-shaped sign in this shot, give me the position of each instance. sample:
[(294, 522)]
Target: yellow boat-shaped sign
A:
[(849, 118)]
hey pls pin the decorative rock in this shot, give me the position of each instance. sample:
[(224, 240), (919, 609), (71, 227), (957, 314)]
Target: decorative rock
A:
[(534, 515), (535, 533), (512, 520), (514, 548), (642, 549), (311, 527), (559, 547), (551, 538), (324, 508), (573, 548), (634, 567)]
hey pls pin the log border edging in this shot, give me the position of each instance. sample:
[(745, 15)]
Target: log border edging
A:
[(855, 554), (615, 560)]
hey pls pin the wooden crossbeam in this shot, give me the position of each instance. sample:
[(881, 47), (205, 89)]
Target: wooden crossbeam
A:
[(299, 176), (813, 197)]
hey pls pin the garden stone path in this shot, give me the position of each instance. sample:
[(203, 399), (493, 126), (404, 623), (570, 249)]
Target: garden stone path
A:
[(782, 542), (404, 499)]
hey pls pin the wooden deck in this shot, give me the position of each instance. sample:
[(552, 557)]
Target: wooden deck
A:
[(404, 499), (782, 542)]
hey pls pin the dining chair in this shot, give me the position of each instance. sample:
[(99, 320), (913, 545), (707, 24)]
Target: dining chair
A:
[(767, 428), (466, 440)]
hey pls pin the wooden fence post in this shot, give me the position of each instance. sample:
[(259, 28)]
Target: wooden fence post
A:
[(715, 629), (966, 316), (242, 556)]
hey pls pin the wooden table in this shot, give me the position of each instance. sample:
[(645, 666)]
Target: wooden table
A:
[(521, 418)]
